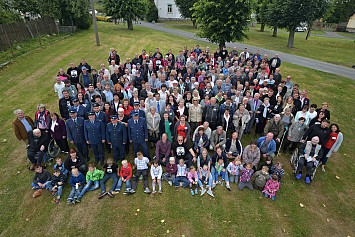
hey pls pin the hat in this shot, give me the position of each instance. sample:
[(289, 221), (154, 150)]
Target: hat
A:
[(72, 111), (113, 117), (136, 103), (82, 68), (95, 105), (91, 85), (138, 64), (160, 66), (135, 113), (91, 113), (175, 81), (75, 100)]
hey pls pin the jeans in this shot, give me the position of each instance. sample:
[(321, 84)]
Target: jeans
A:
[(269, 196), (31, 156), (107, 177), (209, 180), (136, 178), (293, 146), (88, 187), (161, 157), (50, 187), (213, 172), (168, 177), (301, 163), (325, 157), (120, 182), (99, 152), (118, 152), (74, 193), (242, 185), (219, 174), (144, 149), (184, 180), (234, 178), (83, 149), (36, 186)]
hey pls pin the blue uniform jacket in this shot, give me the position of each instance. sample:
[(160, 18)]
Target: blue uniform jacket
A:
[(116, 135), (94, 133), (137, 132), (81, 111), (141, 113), (102, 116), (75, 131)]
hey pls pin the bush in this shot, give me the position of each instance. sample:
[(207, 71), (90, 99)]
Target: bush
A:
[(152, 14)]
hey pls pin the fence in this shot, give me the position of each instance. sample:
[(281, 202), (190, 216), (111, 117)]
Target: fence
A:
[(21, 31)]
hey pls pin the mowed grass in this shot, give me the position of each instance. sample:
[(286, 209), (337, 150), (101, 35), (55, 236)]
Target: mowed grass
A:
[(29, 81), (337, 51)]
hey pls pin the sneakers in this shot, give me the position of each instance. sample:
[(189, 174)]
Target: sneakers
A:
[(57, 201), (196, 192), (170, 183), (132, 191), (117, 191), (154, 192), (209, 192), (147, 191), (160, 192), (103, 194), (126, 191), (323, 169), (228, 187), (214, 185), (299, 176), (110, 194), (69, 202), (37, 193), (78, 200), (308, 180), (192, 192), (53, 193), (203, 191)]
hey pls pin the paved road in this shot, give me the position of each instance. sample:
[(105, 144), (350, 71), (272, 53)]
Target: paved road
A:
[(289, 58)]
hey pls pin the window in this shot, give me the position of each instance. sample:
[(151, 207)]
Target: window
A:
[(170, 8)]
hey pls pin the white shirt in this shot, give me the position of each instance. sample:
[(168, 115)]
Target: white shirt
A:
[(156, 172), (58, 88), (141, 164)]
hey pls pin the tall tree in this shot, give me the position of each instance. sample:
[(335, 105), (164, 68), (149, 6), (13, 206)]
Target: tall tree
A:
[(261, 13), (125, 9), (185, 9), (339, 11), (293, 12), (222, 21)]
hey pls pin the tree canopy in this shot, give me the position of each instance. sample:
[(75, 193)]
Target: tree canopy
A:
[(222, 21), (185, 8)]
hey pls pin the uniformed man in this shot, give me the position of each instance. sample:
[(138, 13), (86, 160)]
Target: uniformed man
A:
[(99, 114), (94, 131), (75, 131), (116, 135), (81, 110), (138, 134), (136, 109)]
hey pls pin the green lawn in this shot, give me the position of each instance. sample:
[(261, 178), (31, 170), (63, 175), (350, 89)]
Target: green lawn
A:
[(29, 81), (319, 48)]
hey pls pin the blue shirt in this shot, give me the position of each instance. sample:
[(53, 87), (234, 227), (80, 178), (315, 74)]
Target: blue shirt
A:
[(86, 79), (26, 124)]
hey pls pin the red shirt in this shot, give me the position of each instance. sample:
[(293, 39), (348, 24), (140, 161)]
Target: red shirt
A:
[(127, 110), (332, 139), (181, 130)]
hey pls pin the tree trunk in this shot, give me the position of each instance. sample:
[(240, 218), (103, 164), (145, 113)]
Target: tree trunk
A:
[(309, 31), (130, 24), (221, 45), (291, 38), (274, 33), (262, 27), (72, 24), (194, 24)]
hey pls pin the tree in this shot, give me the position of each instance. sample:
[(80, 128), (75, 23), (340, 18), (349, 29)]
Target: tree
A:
[(261, 13), (152, 13), (125, 9), (222, 21), (185, 9), (6, 14), (339, 11), (291, 13)]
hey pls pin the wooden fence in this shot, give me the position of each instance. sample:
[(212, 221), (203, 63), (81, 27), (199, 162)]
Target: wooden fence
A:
[(21, 31)]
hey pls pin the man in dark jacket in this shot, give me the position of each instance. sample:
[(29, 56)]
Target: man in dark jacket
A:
[(211, 113), (64, 104), (320, 130), (37, 143), (275, 62)]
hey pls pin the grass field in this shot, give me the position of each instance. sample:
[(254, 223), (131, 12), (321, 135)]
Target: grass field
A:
[(28, 81), (319, 48)]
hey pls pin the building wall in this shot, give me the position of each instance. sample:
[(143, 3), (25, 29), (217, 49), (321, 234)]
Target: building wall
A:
[(351, 24), (163, 13)]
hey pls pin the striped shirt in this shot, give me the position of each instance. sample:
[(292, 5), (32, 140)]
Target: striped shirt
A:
[(141, 164)]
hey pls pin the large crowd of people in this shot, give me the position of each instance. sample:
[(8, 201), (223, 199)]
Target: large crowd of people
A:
[(191, 110)]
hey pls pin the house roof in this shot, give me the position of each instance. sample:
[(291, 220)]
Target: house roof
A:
[(352, 13)]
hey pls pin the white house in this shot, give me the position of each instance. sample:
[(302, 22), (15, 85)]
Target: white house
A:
[(167, 10), (351, 23)]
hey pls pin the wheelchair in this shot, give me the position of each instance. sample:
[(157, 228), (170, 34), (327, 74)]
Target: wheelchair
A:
[(294, 164), (49, 155)]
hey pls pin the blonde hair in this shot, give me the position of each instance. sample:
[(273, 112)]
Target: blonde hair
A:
[(124, 162), (265, 168), (172, 159)]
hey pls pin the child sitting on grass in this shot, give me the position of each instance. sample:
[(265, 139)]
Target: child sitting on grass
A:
[(234, 169), (261, 176), (60, 165), (156, 172), (278, 170), (170, 173), (111, 171), (77, 181), (193, 178), (93, 177), (245, 177), (141, 163), (181, 175), (268, 163), (271, 187), (204, 180), (125, 177), (220, 171), (56, 184), (40, 179)]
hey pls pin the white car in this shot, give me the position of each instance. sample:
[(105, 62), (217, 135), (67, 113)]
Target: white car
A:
[(301, 28)]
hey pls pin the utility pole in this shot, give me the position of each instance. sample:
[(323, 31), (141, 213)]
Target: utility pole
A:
[(94, 20)]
